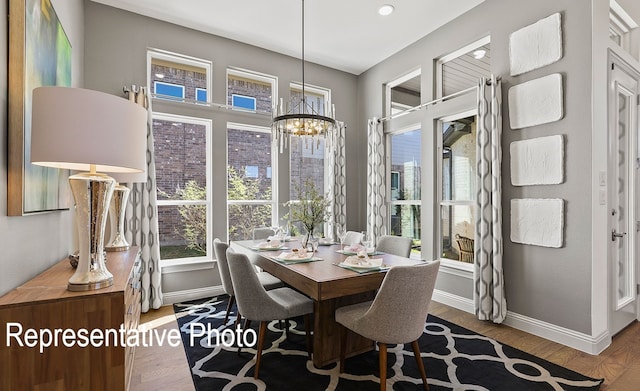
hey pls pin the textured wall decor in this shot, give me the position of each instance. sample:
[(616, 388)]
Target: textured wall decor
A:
[(538, 161), (539, 222), (536, 45), (536, 102)]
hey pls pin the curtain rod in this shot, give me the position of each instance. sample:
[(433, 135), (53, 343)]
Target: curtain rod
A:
[(433, 102)]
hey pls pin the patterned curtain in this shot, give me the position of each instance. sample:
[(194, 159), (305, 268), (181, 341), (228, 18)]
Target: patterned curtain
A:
[(337, 183), (376, 183), (489, 300), (142, 217)]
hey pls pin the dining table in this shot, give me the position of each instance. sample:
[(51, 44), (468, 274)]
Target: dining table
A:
[(329, 282)]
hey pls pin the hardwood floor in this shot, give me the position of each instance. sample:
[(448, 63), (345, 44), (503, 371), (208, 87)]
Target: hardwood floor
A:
[(165, 368)]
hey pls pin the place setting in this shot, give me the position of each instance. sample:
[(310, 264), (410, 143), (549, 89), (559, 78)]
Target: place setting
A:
[(300, 254), (361, 263)]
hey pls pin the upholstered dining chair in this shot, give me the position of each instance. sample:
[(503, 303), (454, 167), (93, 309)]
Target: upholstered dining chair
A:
[(266, 280), (256, 303), (352, 237), (396, 315), (396, 245), (262, 233)]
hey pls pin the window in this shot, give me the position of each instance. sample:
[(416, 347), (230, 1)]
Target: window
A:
[(243, 102), (182, 156), (457, 179), (405, 172), (175, 76), (463, 68), (168, 90), (404, 93), (620, 26), (250, 191), (250, 90)]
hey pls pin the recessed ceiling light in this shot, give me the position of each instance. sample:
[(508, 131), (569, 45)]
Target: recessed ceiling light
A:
[(478, 54), (385, 10)]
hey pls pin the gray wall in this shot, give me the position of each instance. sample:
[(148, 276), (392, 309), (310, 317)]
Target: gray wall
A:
[(116, 43), (552, 285), (30, 244)]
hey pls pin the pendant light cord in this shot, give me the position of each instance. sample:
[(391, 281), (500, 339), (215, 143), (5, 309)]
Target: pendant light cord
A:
[(304, 102)]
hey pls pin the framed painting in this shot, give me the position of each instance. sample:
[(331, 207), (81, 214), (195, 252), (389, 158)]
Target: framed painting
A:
[(39, 55)]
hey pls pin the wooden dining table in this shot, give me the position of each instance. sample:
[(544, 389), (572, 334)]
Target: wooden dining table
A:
[(330, 286)]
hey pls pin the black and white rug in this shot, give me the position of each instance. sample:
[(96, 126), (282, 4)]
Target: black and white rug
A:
[(455, 359)]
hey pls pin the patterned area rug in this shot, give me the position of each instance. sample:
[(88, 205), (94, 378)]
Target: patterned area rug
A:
[(455, 359)]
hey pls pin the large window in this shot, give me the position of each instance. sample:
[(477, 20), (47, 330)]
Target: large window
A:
[(250, 190), (182, 157), (178, 77), (457, 140), (405, 176)]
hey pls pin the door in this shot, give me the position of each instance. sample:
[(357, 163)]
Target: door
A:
[(623, 184)]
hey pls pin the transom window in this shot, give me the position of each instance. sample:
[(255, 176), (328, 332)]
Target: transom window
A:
[(463, 68), (249, 90), (178, 77)]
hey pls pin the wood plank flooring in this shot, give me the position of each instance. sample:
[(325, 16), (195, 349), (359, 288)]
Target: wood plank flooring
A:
[(165, 367)]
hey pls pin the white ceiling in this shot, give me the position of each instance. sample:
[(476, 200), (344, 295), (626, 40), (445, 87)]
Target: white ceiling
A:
[(343, 34)]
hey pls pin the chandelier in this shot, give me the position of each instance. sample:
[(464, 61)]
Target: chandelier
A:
[(301, 118)]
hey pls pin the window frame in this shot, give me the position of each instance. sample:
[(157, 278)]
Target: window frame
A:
[(392, 84), (452, 263), (165, 55), (208, 202), (313, 89), (390, 202), (274, 174)]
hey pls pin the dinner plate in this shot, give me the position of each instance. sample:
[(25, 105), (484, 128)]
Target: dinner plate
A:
[(294, 259), (347, 252), (268, 248)]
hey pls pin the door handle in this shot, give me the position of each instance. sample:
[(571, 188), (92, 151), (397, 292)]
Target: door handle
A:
[(615, 235)]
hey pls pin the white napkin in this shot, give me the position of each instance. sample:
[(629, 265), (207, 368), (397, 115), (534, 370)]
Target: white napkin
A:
[(271, 244), (363, 262), (354, 248), (293, 255)]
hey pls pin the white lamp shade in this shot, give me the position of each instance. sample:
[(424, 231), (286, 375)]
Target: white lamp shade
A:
[(122, 177), (74, 128)]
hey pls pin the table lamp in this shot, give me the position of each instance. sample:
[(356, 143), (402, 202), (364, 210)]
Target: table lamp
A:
[(118, 207), (79, 129)]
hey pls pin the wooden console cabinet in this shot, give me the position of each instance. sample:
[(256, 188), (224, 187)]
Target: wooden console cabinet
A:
[(44, 303)]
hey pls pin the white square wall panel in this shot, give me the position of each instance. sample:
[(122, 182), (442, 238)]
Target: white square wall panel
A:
[(536, 102), (536, 45), (538, 161), (539, 222)]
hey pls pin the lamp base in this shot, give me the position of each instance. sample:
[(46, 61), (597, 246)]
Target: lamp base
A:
[(117, 210), (92, 194)]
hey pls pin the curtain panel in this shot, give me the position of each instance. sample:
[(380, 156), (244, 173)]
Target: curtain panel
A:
[(141, 224), (376, 182), (336, 179), (489, 299)]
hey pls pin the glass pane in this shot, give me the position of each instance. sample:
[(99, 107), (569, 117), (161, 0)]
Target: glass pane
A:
[(406, 160), (191, 78), (459, 159), (307, 162), (249, 165), (406, 95), (250, 93), (314, 100), (183, 231), (181, 160), (405, 221), (244, 218), (464, 71), (457, 232)]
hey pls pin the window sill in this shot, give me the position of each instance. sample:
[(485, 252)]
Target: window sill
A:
[(186, 265)]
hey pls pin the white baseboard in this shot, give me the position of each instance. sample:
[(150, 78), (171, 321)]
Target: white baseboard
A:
[(191, 294), (455, 301), (576, 340)]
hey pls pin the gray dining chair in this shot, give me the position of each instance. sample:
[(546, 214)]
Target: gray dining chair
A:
[(396, 245), (352, 237), (256, 303), (396, 315), (266, 280), (262, 233)]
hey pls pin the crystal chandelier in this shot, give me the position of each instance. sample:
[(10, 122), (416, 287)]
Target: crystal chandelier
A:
[(301, 118)]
